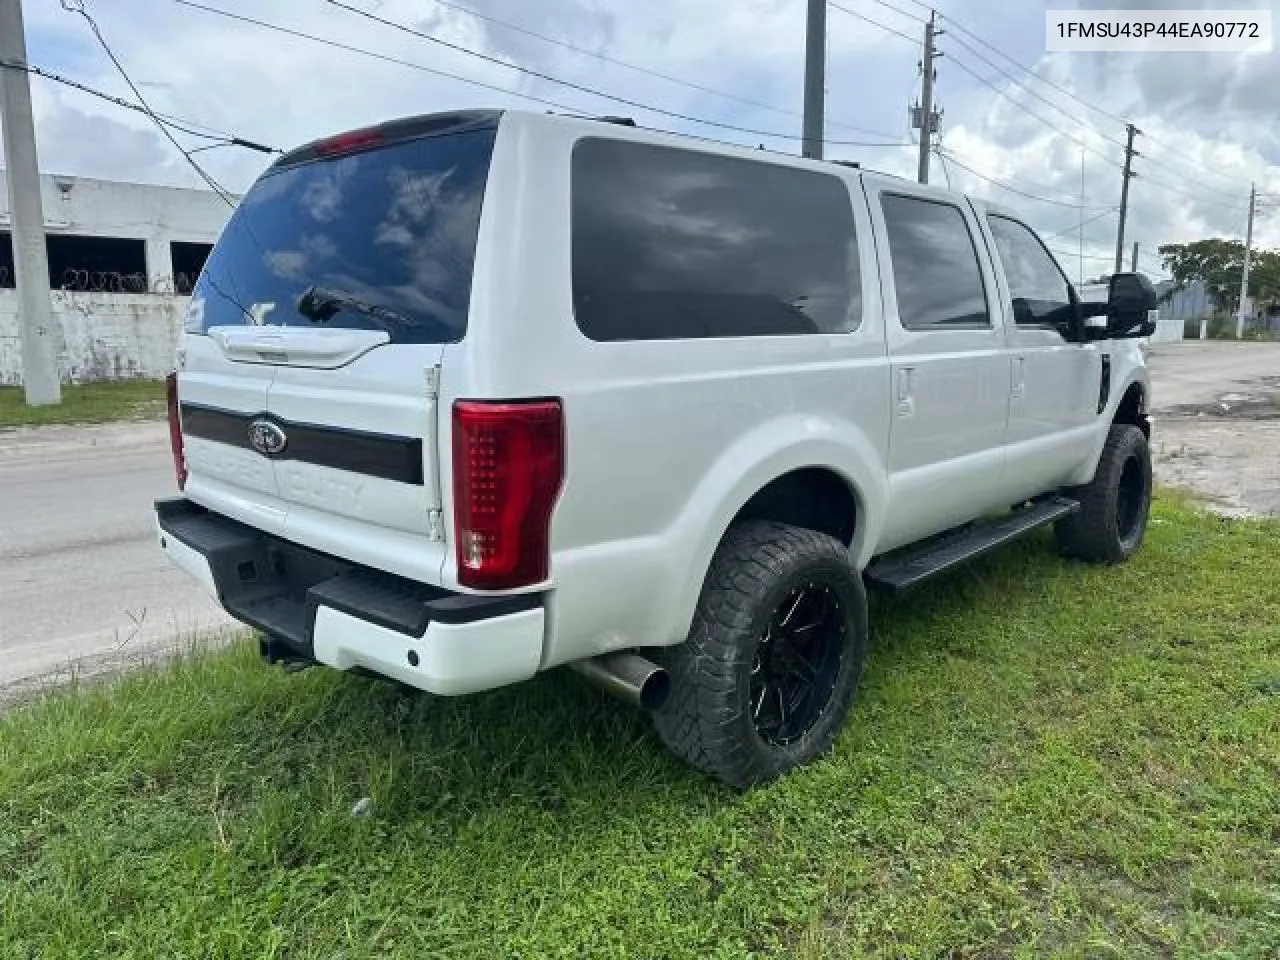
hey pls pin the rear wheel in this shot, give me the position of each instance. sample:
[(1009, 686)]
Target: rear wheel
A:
[(1115, 506), (773, 660)]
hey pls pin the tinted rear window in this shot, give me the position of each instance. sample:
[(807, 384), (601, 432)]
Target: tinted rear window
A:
[(671, 243), (394, 228)]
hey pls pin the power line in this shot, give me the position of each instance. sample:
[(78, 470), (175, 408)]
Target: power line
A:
[(1075, 255), (1083, 144), (1075, 119), (1167, 163), (1072, 95), (638, 68), (1076, 140), (77, 6), (362, 51), (1185, 193), (349, 48), (1021, 86), (946, 171), (1031, 113), (1079, 227), (178, 123), (904, 13), (1005, 186), (1039, 188), (875, 23), (583, 88)]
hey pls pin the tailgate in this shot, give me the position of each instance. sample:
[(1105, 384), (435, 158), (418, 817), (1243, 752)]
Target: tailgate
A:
[(363, 481)]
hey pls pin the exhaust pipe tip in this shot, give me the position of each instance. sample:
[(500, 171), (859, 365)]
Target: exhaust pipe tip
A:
[(629, 677), (655, 690)]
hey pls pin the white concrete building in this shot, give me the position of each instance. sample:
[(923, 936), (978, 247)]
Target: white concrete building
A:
[(121, 258)]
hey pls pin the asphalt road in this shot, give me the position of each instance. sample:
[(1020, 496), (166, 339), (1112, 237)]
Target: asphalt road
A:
[(81, 579), (1192, 372)]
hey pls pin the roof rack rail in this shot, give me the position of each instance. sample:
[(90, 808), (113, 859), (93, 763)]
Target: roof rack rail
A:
[(621, 121), (849, 163)]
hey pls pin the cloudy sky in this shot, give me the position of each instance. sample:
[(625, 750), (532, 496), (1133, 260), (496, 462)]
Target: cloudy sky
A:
[(1211, 121)]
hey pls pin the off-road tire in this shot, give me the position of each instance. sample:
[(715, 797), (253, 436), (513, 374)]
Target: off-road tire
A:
[(1115, 506), (708, 719)]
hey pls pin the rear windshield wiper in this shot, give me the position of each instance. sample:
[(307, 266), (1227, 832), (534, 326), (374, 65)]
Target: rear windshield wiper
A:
[(320, 304)]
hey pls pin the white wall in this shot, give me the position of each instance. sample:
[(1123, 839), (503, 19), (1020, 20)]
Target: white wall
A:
[(101, 336), (106, 336)]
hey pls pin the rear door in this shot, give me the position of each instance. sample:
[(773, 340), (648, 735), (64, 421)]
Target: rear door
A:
[(335, 288), (948, 358)]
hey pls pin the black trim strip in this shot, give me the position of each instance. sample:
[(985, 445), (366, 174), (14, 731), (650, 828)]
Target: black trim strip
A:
[(382, 455)]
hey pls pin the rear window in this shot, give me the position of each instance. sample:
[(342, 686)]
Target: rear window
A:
[(676, 244), (382, 239)]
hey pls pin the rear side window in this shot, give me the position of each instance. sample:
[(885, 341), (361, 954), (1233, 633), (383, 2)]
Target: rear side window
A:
[(676, 244), (1037, 286), (935, 265), (382, 239)]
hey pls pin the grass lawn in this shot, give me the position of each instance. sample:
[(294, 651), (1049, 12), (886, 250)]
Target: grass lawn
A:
[(87, 403), (1046, 760)]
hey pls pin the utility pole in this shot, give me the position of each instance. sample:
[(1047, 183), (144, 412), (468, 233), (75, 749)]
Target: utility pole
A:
[(1133, 261), (40, 381), (1248, 250), (924, 117), (815, 69), (1129, 154)]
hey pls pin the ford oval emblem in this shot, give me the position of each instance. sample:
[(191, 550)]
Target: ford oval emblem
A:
[(267, 438)]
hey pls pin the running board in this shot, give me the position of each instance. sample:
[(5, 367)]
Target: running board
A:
[(906, 568)]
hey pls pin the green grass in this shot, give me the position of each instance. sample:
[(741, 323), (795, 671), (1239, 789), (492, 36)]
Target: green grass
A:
[(86, 403), (1046, 760)]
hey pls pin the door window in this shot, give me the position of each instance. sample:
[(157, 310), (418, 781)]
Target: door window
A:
[(935, 265), (1041, 294)]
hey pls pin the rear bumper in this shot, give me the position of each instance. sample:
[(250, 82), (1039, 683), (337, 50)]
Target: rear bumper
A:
[(346, 615)]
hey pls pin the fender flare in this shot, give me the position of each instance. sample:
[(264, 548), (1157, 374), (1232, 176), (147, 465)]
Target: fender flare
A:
[(775, 449)]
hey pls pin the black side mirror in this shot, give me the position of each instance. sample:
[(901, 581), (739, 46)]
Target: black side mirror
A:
[(1131, 306)]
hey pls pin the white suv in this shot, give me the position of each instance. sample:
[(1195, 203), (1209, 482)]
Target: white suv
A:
[(469, 396)]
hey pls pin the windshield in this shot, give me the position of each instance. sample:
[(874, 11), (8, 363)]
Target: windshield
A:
[(389, 236)]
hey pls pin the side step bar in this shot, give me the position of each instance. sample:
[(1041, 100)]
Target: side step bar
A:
[(912, 565)]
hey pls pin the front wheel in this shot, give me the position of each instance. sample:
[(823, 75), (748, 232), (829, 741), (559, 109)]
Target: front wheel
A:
[(771, 665), (1115, 506)]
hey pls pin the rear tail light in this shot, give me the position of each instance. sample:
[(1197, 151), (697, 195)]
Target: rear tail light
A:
[(175, 430), (508, 465)]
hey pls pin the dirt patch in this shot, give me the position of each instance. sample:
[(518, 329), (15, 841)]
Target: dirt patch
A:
[(1232, 464), (1234, 406)]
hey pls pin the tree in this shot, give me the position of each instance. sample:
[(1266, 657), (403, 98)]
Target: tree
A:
[(1218, 263)]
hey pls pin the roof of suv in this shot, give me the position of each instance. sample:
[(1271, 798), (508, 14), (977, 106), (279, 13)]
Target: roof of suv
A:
[(614, 127)]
